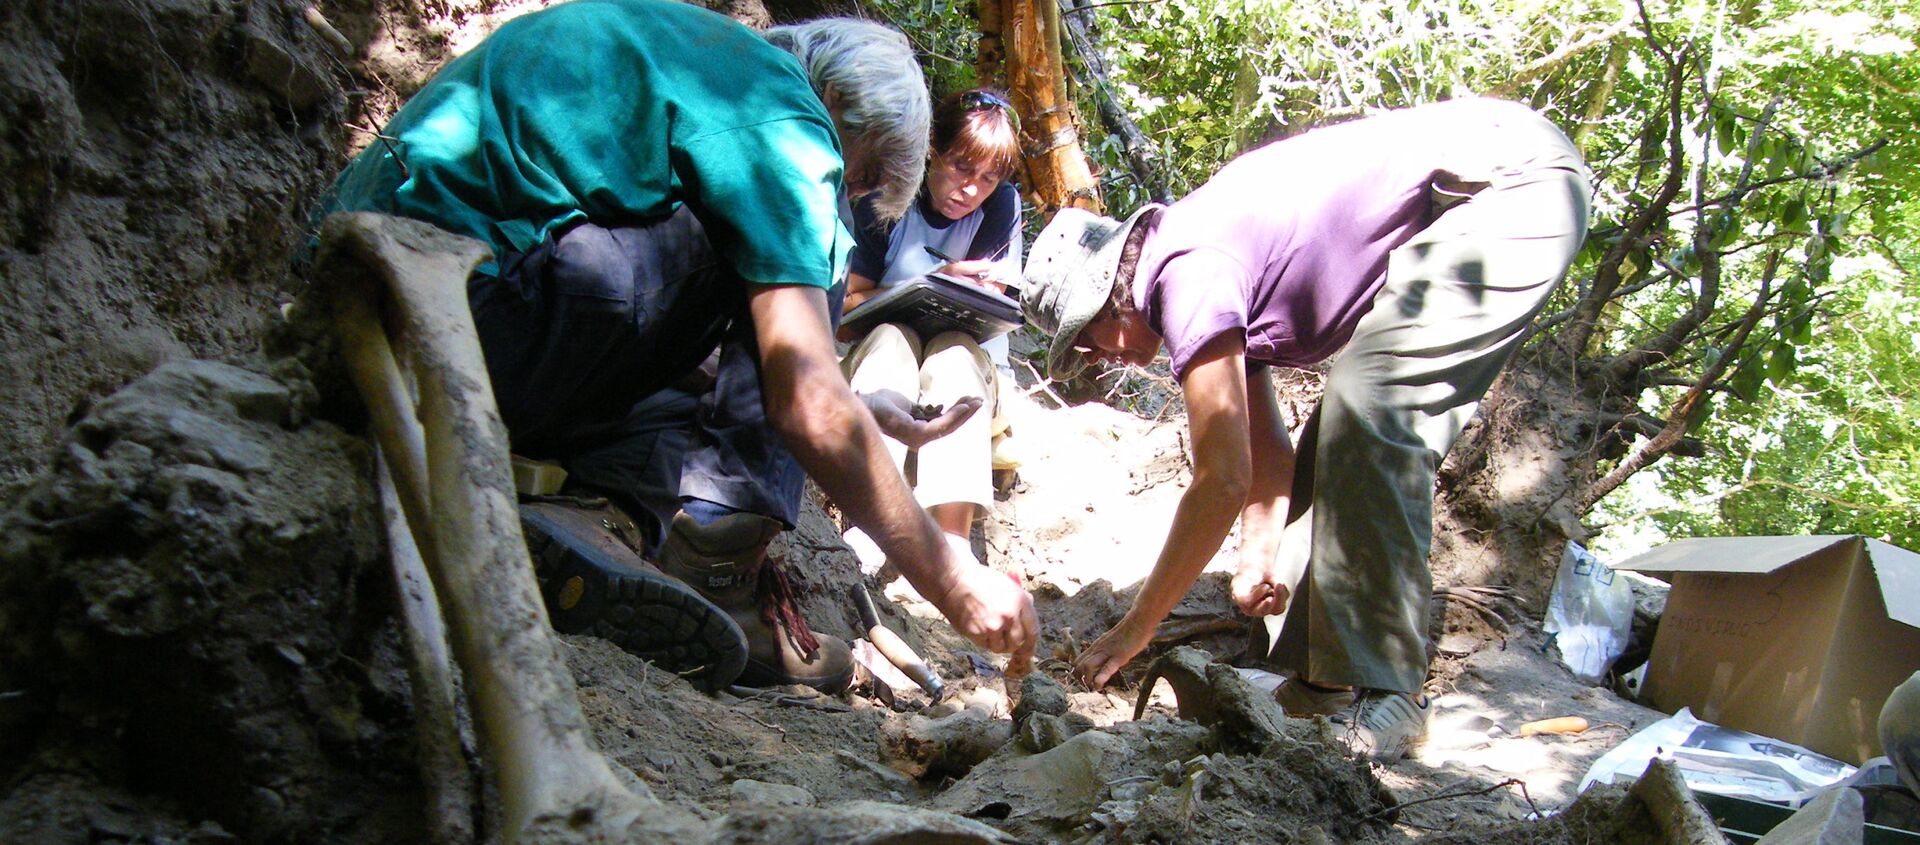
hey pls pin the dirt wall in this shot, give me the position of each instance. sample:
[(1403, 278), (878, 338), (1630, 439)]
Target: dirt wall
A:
[(160, 157), (195, 607)]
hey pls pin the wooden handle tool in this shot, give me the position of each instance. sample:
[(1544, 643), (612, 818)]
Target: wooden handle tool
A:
[(893, 648), (1560, 725)]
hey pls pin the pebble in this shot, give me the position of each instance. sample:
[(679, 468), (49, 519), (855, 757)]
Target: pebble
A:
[(760, 792)]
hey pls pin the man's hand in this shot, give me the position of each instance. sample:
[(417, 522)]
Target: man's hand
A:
[(1099, 662), (895, 415), (1260, 589), (988, 607), (831, 433)]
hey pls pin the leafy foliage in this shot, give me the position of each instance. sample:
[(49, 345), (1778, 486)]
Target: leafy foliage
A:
[(1746, 294), (1744, 289)]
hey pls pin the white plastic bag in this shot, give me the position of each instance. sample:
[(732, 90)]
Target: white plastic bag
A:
[(1722, 761), (1590, 614)]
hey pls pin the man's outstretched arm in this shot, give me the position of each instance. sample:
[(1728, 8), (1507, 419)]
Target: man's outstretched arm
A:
[(832, 434)]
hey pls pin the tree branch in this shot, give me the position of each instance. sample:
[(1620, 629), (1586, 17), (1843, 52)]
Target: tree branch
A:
[(1113, 115), (1683, 409), (1597, 104), (1555, 60), (1607, 277), (1663, 345), (1824, 171)]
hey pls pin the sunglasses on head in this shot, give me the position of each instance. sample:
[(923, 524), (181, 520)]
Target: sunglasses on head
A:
[(978, 100)]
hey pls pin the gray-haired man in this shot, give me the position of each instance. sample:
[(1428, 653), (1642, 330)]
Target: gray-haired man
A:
[(658, 181)]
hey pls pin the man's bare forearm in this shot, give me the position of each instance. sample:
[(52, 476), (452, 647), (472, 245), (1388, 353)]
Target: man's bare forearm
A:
[(1215, 391), (833, 436)]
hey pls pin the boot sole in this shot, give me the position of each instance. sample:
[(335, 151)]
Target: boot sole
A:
[(645, 613)]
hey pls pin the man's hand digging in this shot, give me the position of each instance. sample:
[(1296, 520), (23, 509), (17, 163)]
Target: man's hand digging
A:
[(988, 607)]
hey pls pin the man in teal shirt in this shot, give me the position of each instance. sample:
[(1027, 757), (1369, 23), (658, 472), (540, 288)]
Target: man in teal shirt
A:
[(657, 182)]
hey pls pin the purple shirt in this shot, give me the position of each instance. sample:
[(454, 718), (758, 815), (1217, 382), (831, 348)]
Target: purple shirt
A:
[(1288, 243)]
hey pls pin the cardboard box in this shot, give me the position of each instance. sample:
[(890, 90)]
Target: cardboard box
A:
[(1796, 638)]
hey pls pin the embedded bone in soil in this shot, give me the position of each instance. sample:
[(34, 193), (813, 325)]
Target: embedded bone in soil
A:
[(451, 469), (1214, 695)]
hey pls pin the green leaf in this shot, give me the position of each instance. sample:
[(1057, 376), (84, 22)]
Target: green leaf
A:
[(1780, 364), (1722, 231), (1776, 149), (1836, 224), (1700, 413), (1748, 377), (1801, 328), (1795, 214), (1725, 130)]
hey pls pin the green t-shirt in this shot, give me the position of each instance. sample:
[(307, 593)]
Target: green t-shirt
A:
[(618, 111)]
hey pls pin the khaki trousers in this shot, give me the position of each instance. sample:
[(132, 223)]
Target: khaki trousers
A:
[(1456, 304), (957, 467)]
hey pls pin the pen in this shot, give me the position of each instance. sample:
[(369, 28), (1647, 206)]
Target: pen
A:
[(938, 254)]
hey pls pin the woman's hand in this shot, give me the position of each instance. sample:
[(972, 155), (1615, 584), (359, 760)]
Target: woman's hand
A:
[(1099, 662), (977, 272), (1260, 587)]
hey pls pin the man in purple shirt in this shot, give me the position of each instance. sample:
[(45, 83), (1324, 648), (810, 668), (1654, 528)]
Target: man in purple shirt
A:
[(1421, 242)]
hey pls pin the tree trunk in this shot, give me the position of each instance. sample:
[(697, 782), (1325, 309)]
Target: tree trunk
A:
[(1142, 157), (1029, 34), (1509, 492)]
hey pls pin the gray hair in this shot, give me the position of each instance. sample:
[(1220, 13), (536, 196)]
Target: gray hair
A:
[(882, 95)]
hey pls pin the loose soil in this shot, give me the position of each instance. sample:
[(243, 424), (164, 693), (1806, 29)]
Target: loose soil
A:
[(197, 623)]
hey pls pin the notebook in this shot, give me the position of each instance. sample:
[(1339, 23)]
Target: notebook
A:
[(937, 303)]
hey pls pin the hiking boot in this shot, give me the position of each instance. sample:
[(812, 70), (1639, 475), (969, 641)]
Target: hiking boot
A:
[(1300, 699), (594, 581), (1383, 725), (726, 560)]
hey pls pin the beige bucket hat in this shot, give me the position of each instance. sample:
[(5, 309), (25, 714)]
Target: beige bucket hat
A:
[(1069, 272)]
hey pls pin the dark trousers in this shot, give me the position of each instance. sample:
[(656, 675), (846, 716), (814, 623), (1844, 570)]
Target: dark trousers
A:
[(585, 337)]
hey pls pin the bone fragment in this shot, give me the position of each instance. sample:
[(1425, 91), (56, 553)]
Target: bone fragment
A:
[(1214, 695), (1675, 811), (341, 47), (554, 785), (443, 756)]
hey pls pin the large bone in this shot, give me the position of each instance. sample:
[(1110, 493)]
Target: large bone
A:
[(399, 294), (1214, 695), (443, 756)]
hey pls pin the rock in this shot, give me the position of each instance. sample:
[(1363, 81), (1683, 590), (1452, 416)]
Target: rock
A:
[(1900, 731), (760, 792), (1044, 731), (985, 698), (853, 823), (278, 69), (1040, 694), (1836, 817), (1458, 644)]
